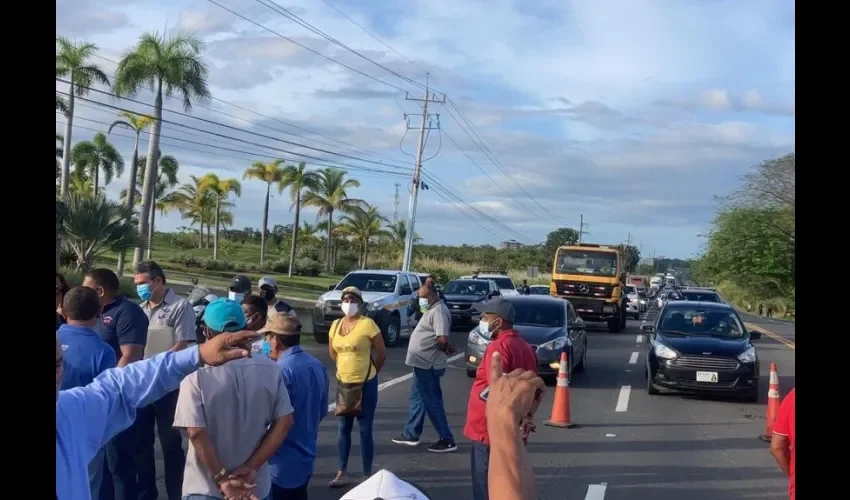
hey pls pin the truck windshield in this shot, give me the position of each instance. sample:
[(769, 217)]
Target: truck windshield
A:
[(591, 263)]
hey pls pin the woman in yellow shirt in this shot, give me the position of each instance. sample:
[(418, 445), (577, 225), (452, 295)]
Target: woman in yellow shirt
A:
[(352, 340)]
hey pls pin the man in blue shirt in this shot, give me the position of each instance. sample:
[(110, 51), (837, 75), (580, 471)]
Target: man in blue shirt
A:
[(85, 355), (307, 383), (124, 326), (87, 417)]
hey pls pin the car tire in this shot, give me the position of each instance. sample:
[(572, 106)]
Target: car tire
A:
[(391, 331), (470, 373), (651, 389), (321, 337), (583, 363)]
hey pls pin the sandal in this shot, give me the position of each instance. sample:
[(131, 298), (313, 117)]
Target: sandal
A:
[(338, 482)]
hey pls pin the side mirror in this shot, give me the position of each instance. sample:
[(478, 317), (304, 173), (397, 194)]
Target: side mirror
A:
[(647, 328), (755, 334), (495, 294), (194, 281), (331, 287)]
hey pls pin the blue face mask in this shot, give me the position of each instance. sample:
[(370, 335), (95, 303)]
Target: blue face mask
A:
[(144, 291), (424, 305), (267, 348)]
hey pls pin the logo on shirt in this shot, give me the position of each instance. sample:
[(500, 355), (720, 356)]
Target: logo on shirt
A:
[(65, 347), (106, 320)]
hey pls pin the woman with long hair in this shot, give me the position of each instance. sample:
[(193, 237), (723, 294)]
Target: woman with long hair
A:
[(61, 289)]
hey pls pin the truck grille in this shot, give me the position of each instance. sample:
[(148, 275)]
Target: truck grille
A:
[(580, 289), (459, 306), (334, 305), (706, 363)]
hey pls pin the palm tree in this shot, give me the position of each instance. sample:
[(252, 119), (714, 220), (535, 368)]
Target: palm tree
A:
[(396, 236), (95, 156), (164, 199), (94, 224), (72, 64), (195, 205), (62, 105), (210, 183), (59, 141), (81, 184), (363, 225), (296, 179), (330, 195), (165, 66), (268, 173)]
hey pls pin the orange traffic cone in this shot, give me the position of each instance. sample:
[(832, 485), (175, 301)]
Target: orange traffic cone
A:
[(561, 405), (772, 403)]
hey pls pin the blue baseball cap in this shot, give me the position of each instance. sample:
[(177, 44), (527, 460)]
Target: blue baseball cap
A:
[(224, 315)]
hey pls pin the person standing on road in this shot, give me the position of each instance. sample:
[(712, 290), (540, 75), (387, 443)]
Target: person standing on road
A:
[(85, 356), (240, 287), (352, 340), (61, 289), (87, 417), (171, 328), (268, 291), (256, 312), (783, 442), (427, 354), (524, 289), (497, 317), (124, 326), (306, 381), (235, 416)]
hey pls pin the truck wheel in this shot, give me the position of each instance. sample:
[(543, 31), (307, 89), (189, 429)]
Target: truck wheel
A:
[(622, 317), (615, 324), (391, 331)]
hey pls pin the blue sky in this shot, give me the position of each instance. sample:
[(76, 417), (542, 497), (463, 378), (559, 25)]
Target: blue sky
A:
[(635, 114)]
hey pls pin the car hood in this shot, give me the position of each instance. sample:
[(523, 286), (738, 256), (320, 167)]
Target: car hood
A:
[(699, 345), (464, 298), (536, 335), (367, 296)]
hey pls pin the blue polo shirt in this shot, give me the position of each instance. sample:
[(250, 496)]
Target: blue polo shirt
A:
[(85, 356), (307, 382), (122, 322)]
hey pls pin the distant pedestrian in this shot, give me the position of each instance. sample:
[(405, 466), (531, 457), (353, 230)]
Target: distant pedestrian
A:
[(783, 442), (240, 287), (256, 313), (85, 356), (171, 328), (761, 309), (124, 326), (235, 416), (497, 317), (524, 289), (306, 381), (61, 289), (268, 291), (353, 338), (427, 355)]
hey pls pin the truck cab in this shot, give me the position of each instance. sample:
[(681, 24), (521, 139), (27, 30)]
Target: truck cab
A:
[(593, 278)]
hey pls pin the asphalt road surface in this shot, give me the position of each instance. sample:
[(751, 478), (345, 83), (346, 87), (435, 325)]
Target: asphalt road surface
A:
[(636, 445)]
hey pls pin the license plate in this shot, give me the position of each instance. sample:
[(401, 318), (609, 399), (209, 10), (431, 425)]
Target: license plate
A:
[(707, 377)]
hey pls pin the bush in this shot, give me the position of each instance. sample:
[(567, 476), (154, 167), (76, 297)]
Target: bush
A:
[(127, 287), (307, 267), (185, 259), (227, 248), (279, 266), (219, 265), (183, 241)]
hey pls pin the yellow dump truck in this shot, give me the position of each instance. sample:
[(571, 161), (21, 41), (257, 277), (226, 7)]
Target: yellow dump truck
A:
[(593, 278)]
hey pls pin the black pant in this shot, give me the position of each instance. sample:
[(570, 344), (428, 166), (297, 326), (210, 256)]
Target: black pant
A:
[(299, 493), (480, 465), (119, 475), (161, 415)]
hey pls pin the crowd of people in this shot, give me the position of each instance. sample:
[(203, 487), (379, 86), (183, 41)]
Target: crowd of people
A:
[(250, 400)]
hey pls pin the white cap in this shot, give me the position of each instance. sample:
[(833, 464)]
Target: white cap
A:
[(267, 280), (384, 485)]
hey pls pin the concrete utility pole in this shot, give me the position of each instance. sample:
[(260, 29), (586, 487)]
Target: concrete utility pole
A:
[(424, 126), (581, 226), (395, 203)]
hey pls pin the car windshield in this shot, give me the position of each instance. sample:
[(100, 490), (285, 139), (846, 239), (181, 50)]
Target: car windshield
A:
[(368, 282), (701, 321), (584, 262), (466, 287), (539, 290), (503, 283), (534, 313), (630, 289), (701, 296)]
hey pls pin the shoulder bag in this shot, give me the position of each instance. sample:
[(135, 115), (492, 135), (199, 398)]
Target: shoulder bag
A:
[(349, 395)]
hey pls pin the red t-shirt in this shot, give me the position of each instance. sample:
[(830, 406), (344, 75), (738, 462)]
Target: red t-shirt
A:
[(784, 426), (515, 353)]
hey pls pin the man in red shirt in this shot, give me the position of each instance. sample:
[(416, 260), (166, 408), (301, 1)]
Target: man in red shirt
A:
[(497, 317), (782, 443)]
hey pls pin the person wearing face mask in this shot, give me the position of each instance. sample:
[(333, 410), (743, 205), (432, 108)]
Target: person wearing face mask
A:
[(86, 356), (306, 381), (256, 312), (351, 342), (171, 328), (497, 317), (427, 353), (268, 291), (240, 287)]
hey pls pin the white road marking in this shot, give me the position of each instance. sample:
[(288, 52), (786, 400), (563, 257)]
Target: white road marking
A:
[(395, 381), (639, 339), (623, 399), (633, 359), (596, 491)]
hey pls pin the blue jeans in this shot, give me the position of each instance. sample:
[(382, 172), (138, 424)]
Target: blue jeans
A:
[(366, 422), (480, 465), (119, 478), (96, 474), (426, 396)]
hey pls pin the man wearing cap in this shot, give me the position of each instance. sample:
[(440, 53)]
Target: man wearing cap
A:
[(307, 382), (235, 415), (497, 317), (268, 291), (240, 287)]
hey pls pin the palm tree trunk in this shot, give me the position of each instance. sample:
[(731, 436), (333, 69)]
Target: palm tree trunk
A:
[(328, 255), (151, 233), (265, 224), (215, 235), (150, 172), (365, 253), (66, 146), (96, 179), (201, 235), (131, 199), (295, 232)]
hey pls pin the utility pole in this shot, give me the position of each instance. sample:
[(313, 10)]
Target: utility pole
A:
[(629, 240), (395, 203), (581, 226), (425, 125)]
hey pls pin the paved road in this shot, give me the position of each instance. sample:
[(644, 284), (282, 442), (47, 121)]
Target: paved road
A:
[(666, 447)]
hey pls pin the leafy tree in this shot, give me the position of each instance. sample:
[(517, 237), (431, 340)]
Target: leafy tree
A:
[(631, 256), (95, 156), (560, 237)]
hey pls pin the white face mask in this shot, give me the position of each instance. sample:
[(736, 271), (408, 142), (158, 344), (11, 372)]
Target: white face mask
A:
[(350, 308), (484, 329), (236, 296)]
